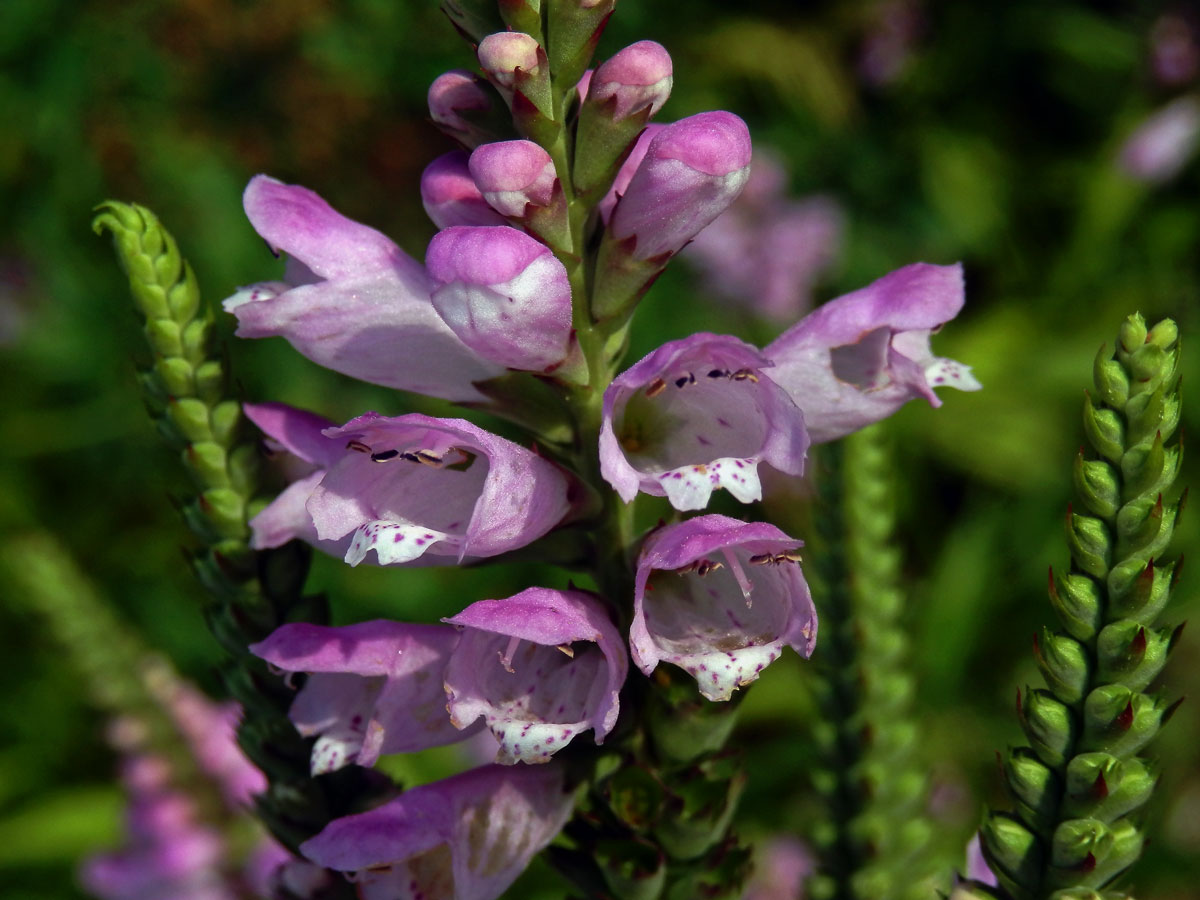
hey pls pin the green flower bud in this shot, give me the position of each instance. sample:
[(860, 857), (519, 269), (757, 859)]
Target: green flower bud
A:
[(190, 417), (176, 376), (1140, 590), (1101, 786), (225, 508), (1145, 526), (1132, 334), (1049, 725), (226, 416), (1112, 381), (700, 807), (195, 338), (1065, 665), (573, 28), (1148, 365), (633, 868), (1034, 787), (1147, 468), (210, 381), (183, 297), (635, 797), (1104, 429), (1088, 853), (1090, 544), (1079, 604), (207, 461), (242, 467), (1012, 852), (522, 15), (1130, 654), (164, 337), (1164, 334), (1097, 485), (1118, 721)]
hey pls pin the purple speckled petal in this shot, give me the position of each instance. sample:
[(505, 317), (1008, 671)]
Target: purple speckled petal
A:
[(692, 171), (464, 838), (859, 358), (696, 415), (373, 688), (503, 293), (538, 667), (720, 599), (367, 314), (442, 486)]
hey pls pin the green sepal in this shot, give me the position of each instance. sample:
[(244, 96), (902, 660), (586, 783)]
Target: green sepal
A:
[(190, 418), (1150, 413), (1140, 590), (572, 32), (1090, 544), (176, 375), (700, 807), (1102, 786), (1131, 335), (1104, 429), (634, 796), (1049, 725), (1129, 653), (522, 15), (632, 868), (1097, 485), (1144, 527), (622, 280), (1149, 468), (529, 401), (1111, 379), (682, 724), (474, 19), (717, 876), (602, 144), (226, 417), (1079, 603), (225, 509), (1035, 787), (1012, 852), (1119, 721), (165, 337), (1065, 664), (207, 461), (1089, 853)]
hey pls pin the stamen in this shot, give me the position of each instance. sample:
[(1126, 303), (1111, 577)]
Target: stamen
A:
[(567, 649), (685, 380), (718, 373), (657, 386), (745, 375), (739, 574), (358, 446), (508, 653), (384, 456)]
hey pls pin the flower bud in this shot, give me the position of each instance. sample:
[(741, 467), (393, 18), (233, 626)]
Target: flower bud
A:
[(1088, 853), (1112, 381), (513, 174), (1131, 653), (1090, 543), (454, 94), (1065, 665), (1034, 786), (1103, 787), (1119, 721), (1012, 852), (1097, 484), (1078, 602), (692, 171), (637, 78), (1140, 591), (515, 62), (450, 196), (1049, 725), (503, 293)]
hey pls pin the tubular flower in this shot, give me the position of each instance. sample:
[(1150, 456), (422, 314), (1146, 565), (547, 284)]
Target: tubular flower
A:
[(449, 194), (695, 415), (504, 294), (412, 485), (463, 838), (355, 303), (859, 358), (513, 174), (720, 599), (373, 688), (693, 169), (539, 668)]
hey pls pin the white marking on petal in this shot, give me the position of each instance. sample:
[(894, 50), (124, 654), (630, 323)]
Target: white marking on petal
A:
[(951, 373), (687, 487), (719, 674), (738, 476), (392, 542), (252, 293), (332, 751), (530, 742)]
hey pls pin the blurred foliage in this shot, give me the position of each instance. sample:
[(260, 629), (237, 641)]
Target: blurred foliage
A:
[(992, 141)]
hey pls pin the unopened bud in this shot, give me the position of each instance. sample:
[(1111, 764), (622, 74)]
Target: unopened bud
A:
[(1097, 485), (1049, 725), (1034, 786), (1119, 721), (458, 101), (1140, 591), (1132, 333), (1079, 603), (512, 175), (514, 62), (1131, 653), (1090, 544), (503, 293), (1065, 665), (1164, 334), (637, 78), (1112, 381), (1101, 786), (1012, 852), (450, 196), (1089, 853), (1104, 430)]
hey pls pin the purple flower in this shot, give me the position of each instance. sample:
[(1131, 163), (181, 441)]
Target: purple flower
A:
[(977, 865), (859, 358), (412, 485), (1164, 143), (453, 93), (695, 415), (625, 174), (373, 688), (298, 435), (504, 294), (512, 175), (693, 169), (766, 251), (509, 57), (352, 300), (464, 838), (539, 667), (450, 196), (720, 599), (636, 79)]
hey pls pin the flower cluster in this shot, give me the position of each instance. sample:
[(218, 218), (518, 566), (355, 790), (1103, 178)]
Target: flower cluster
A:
[(531, 282)]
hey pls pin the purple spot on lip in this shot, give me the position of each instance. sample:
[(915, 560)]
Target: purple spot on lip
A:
[(420, 543), (721, 421), (397, 539), (677, 475), (704, 442)]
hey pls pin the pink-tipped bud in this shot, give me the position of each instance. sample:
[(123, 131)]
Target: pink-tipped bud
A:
[(503, 293), (637, 78), (513, 174), (506, 53), (450, 196), (692, 171), (453, 93)]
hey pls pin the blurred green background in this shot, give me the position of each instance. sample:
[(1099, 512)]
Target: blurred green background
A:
[(990, 138)]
